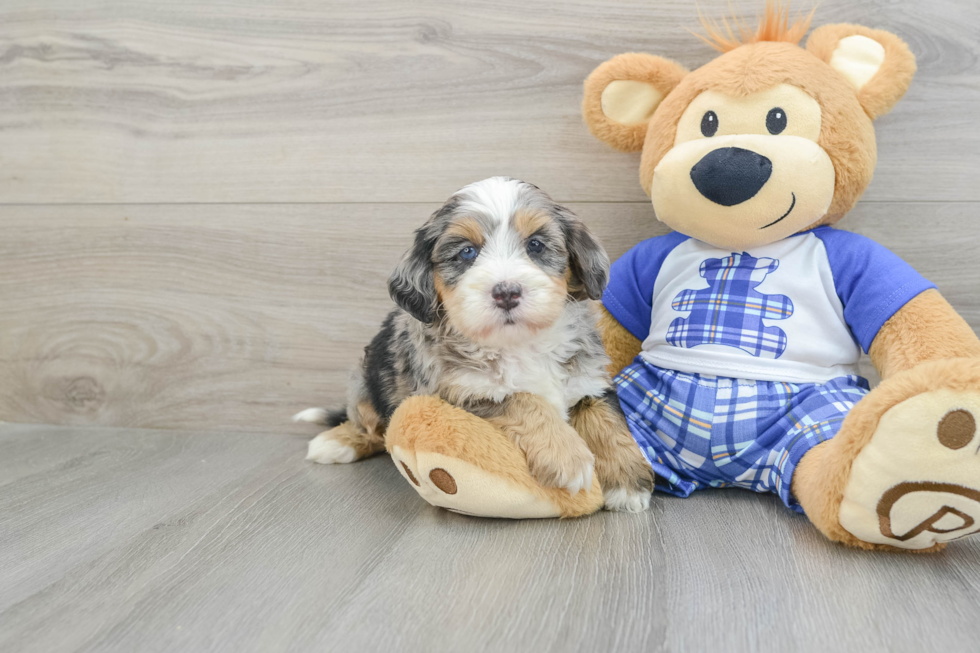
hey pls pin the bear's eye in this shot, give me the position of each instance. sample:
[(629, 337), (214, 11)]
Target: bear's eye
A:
[(709, 124), (776, 121)]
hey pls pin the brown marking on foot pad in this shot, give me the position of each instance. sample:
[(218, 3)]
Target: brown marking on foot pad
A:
[(891, 497), (956, 429), (443, 480), (411, 476)]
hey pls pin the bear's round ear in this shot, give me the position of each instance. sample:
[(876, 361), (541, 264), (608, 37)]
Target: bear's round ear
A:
[(622, 94), (877, 64)]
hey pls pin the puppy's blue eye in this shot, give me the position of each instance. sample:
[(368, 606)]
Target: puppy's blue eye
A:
[(535, 246), (468, 253)]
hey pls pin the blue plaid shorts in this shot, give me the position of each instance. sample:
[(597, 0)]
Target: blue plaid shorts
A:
[(713, 431)]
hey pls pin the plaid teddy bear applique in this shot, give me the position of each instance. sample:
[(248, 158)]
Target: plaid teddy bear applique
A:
[(731, 311)]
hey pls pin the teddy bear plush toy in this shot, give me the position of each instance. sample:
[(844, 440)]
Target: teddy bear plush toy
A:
[(735, 339)]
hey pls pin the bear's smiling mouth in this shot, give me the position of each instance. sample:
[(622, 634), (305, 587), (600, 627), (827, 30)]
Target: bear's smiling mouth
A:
[(791, 206)]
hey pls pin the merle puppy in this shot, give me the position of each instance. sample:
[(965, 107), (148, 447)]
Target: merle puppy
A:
[(495, 317)]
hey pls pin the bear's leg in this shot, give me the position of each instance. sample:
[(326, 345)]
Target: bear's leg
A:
[(904, 470), (625, 476), (458, 461)]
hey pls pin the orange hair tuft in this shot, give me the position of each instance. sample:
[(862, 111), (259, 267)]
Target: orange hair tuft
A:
[(774, 25)]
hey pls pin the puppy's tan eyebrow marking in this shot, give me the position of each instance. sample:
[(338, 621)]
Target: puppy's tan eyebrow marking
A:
[(467, 228), (528, 222)]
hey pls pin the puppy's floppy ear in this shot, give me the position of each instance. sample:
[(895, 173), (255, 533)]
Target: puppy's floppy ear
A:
[(622, 94), (877, 64), (412, 284), (586, 256)]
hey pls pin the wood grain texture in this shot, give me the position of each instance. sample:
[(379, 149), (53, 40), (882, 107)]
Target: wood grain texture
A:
[(331, 101), (139, 540), (235, 317)]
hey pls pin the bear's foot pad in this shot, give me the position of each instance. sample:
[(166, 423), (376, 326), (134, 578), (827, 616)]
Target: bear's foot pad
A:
[(459, 462), (456, 485), (916, 484)]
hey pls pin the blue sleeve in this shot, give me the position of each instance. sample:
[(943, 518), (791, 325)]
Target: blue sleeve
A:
[(629, 295), (872, 282)]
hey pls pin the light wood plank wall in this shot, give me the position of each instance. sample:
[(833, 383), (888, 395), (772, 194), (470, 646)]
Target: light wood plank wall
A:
[(200, 201)]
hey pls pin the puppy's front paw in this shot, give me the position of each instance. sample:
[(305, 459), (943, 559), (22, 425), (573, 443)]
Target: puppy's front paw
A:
[(568, 464), (621, 499), (327, 450)]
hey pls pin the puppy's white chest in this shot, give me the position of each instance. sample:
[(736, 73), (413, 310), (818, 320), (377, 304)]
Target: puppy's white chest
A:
[(530, 373), (524, 371)]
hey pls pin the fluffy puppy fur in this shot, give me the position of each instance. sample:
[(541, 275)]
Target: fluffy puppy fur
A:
[(494, 317)]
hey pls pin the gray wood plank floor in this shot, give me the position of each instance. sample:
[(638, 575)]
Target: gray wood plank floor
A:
[(151, 540)]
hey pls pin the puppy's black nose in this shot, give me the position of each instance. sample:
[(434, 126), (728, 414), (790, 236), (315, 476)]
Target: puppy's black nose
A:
[(506, 295), (731, 175)]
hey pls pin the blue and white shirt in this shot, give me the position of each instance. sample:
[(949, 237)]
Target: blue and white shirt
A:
[(798, 310)]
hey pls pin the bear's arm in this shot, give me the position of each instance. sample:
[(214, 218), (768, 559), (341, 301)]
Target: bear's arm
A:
[(927, 328), (621, 345)]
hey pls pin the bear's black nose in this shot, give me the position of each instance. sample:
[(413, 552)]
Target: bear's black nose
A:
[(731, 175)]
